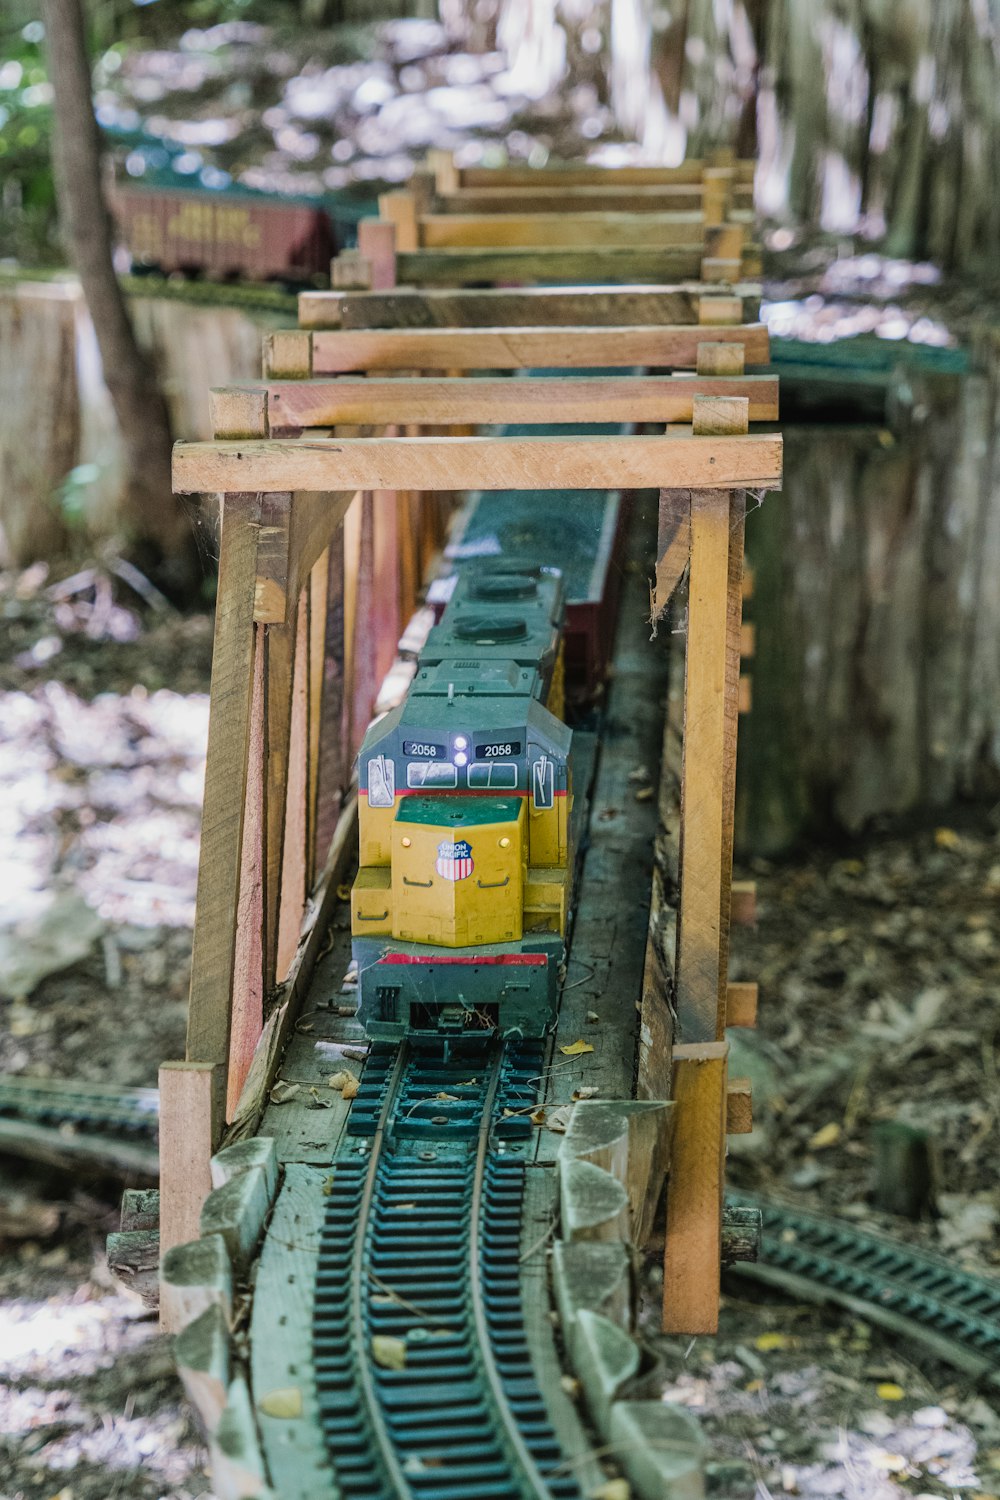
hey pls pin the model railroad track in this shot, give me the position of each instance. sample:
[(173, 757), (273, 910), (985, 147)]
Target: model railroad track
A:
[(68, 1122), (425, 1382), (915, 1294)]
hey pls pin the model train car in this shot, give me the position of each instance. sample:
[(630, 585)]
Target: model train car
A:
[(234, 233), (460, 905)]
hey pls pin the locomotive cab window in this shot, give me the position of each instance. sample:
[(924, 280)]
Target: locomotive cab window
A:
[(494, 775), (431, 773)]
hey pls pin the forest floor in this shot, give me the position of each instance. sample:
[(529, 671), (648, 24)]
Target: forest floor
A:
[(878, 969)]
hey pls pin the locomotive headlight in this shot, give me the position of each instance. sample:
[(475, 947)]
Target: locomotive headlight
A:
[(461, 743), (460, 758)]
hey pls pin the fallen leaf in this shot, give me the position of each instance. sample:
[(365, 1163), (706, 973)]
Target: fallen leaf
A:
[(284, 1402), (339, 1080), (946, 838), (615, 1489), (558, 1119), (592, 1017), (888, 1391), (343, 893), (768, 1341), (644, 794), (449, 1098), (576, 1049), (537, 1116), (827, 1135), (282, 1092), (350, 1089), (570, 1385), (587, 1092), (388, 1352)]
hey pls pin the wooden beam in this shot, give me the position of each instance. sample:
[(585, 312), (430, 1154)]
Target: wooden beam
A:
[(693, 1247), (719, 358), (188, 1091), (217, 905), (558, 264), (377, 247), (699, 928), (563, 173), (741, 1003), (604, 230), (485, 463), (294, 856), (340, 352), (743, 903), (298, 404), (507, 307), (400, 208), (739, 1107), (676, 197), (248, 968)]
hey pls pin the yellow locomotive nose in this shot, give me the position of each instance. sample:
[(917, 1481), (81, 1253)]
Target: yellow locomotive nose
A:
[(458, 867)]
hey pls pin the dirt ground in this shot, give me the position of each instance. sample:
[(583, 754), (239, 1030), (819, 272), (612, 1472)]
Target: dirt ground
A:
[(878, 969)]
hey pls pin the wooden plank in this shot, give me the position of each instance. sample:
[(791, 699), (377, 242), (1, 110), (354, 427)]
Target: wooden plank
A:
[(734, 620), (270, 603), (400, 208), (739, 1107), (506, 307), (386, 623), (580, 348), (333, 759), (604, 230), (248, 972), (685, 197), (583, 398), (294, 859), (287, 354), (676, 461), (743, 903), (217, 905), (561, 173), (673, 548), (280, 647), (699, 933), (377, 246), (363, 678), (318, 593), (188, 1091), (741, 1003), (557, 264), (693, 1249)]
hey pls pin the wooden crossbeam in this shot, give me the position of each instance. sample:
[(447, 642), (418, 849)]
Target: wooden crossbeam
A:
[(507, 307), (580, 173), (588, 197), (608, 230), (355, 400), (484, 463), (340, 352), (559, 265)]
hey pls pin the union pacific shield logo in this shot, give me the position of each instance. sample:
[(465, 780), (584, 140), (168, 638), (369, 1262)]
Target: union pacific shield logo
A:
[(454, 861)]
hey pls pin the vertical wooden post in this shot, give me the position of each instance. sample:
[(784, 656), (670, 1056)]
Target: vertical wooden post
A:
[(318, 590), (293, 852), (693, 1250), (400, 209), (188, 1091), (333, 757), (710, 719), (377, 246), (217, 908), (248, 969), (446, 175)]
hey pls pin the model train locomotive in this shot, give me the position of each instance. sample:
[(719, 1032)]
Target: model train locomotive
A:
[(460, 905)]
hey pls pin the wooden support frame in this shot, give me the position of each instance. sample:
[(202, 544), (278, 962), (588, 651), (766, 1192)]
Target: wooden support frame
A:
[(299, 404), (693, 1248), (555, 264), (415, 349), (483, 463), (522, 307)]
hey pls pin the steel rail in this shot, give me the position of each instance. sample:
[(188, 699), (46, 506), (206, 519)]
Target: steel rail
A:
[(359, 1284), (513, 1436)]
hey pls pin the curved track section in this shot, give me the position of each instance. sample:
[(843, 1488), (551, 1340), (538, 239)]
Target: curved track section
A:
[(425, 1381), (913, 1293)]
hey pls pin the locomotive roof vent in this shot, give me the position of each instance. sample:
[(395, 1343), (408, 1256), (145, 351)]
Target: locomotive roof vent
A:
[(487, 631), (503, 586)]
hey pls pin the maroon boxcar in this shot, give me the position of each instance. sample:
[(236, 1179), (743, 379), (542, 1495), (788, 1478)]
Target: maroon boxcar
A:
[(230, 234)]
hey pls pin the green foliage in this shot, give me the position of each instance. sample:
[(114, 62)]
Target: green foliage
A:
[(28, 198)]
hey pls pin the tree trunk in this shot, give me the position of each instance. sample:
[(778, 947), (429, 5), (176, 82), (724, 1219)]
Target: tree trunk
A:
[(155, 525)]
